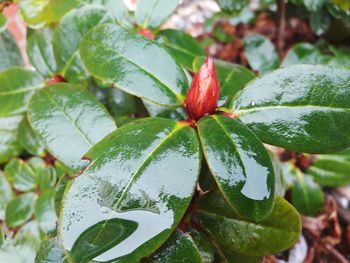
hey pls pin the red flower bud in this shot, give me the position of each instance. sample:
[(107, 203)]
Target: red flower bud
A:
[(203, 95), (147, 33), (55, 79)]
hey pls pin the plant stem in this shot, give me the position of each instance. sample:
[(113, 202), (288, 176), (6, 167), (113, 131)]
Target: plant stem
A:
[(281, 25)]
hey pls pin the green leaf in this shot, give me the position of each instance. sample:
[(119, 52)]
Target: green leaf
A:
[(320, 22), (116, 8), (232, 78), (6, 194), (10, 54), (181, 45), (151, 14), (28, 139), (303, 108), (155, 110), (232, 5), (69, 120), (240, 165), (260, 52), (307, 196), (50, 251), (274, 234), (181, 247), (3, 23), (331, 170), (17, 87), (20, 209), (140, 180), (109, 51), (314, 5), (41, 12), (46, 174), (303, 53), (20, 175), (67, 37), (45, 212), (9, 146), (40, 52)]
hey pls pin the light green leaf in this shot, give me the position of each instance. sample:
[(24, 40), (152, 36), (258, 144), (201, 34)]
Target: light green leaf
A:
[(10, 54), (45, 212), (20, 175), (6, 194), (28, 139), (9, 146)]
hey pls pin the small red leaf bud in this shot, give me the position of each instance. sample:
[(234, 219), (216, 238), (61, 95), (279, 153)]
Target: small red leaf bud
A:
[(147, 33), (55, 79), (202, 97)]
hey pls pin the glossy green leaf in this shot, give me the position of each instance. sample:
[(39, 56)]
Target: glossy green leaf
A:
[(181, 45), (134, 64), (116, 8), (9, 146), (50, 252), (45, 212), (232, 78), (274, 234), (181, 247), (6, 194), (20, 175), (153, 13), (307, 196), (17, 85), (3, 23), (41, 12), (240, 165), (314, 5), (303, 53), (232, 5), (20, 209), (231, 257), (28, 139), (140, 181), (331, 170), (320, 22), (260, 52), (40, 52), (69, 120), (67, 37), (10, 54), (155, 110), (302, 108), (64, 174)]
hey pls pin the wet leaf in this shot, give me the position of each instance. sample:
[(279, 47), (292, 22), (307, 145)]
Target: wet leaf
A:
[(20, 175), (45, 212), (50, 251), (9, 146), (140, 180), (69, 120), (301, 108), (28, 139), (155, 75), (240, 165), (10, 54)]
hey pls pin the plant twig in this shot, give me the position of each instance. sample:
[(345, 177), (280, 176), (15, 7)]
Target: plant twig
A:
[(281, 25)]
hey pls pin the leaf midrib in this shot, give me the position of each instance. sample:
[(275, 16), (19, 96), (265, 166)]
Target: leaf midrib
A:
[(22, 90), (176, 129)]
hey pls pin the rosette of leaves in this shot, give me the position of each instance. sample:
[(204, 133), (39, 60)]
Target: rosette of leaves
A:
[(137, 182)]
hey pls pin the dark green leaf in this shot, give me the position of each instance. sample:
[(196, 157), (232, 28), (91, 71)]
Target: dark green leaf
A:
[(110, 53), (45, 212), (274, 234), (314, 5), (232, 77), (20, 175), (9, 52), (50, 252), (307, 196), (152, 14), (141, 180), (304, 108), (40, 52), (240, 165), (69, 120), (28, 139), (155, 110), (6, 194), (9, 146), (331, 170), (320, 22), (181, 247), (17, 87), (232, 257), (303, 53), (66, 40), (20, 209), (260, 52), (181, 45)]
